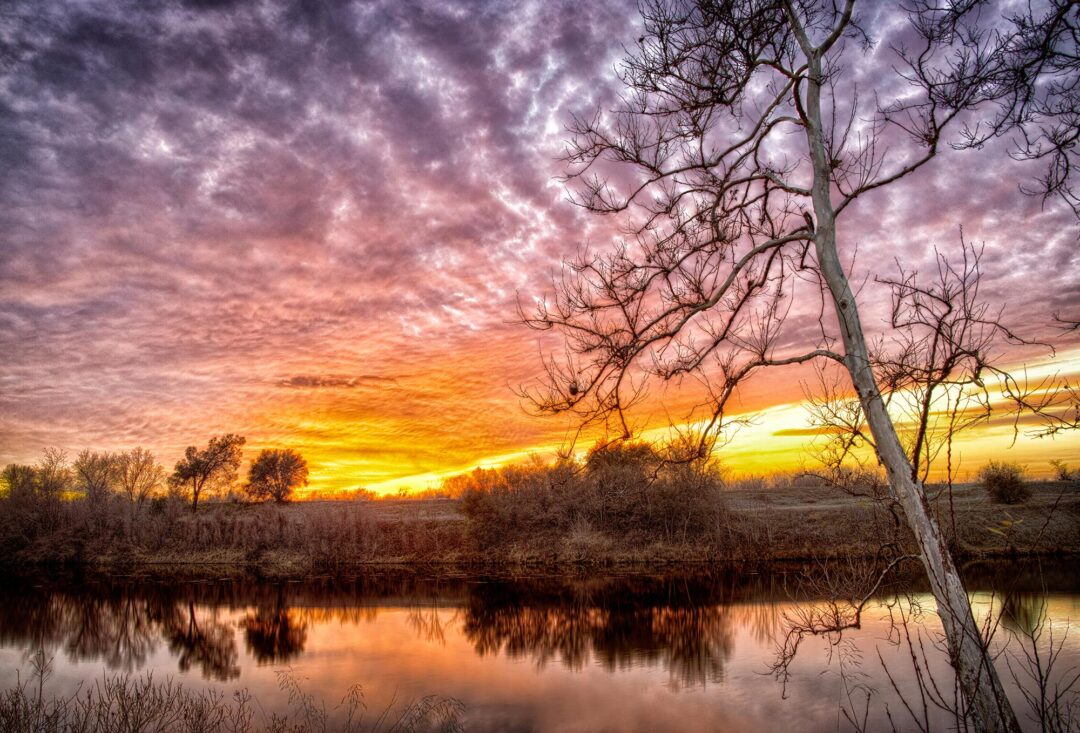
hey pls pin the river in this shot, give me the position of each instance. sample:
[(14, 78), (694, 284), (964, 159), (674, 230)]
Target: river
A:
[(536, 651)]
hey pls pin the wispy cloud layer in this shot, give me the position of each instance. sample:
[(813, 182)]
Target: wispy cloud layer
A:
[(309, 223)]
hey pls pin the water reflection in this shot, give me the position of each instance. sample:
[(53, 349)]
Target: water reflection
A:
[(1023, 613), (116, 629), (121, 625), (274, 633), (684, 625), (207, 643)]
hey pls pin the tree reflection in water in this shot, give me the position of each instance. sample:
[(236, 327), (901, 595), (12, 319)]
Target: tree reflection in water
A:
[(206, 643), (428, 624), (684, 625), (115, 628), (120, 624), (274, 633), (1023, 613)]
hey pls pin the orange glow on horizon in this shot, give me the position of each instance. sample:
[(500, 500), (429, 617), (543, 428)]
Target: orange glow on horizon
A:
[(345, 455)]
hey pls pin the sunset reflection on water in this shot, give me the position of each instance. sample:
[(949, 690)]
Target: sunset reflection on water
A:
[(540, 653)]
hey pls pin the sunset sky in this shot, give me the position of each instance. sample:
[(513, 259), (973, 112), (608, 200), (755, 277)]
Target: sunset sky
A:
[(309, 224)]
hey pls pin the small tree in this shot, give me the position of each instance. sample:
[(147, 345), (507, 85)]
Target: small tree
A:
[(53, 474), (1061, 470), (213, 467), (53, 481), (275, 474), (138, 475), (95, 474), (19, 509), (18, 481)]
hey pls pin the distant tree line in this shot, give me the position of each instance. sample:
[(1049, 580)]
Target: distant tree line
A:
[(622, 502), (136, 476)]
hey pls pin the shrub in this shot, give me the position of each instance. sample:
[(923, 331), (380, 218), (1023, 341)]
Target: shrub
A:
[(1005, 482), (1063, 473), (620, 489), (504, 504)]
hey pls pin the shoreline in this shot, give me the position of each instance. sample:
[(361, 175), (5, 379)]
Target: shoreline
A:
[(755, 528), (301, 567)]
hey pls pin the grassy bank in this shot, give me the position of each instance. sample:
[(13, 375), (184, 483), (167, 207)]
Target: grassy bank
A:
[(492, 526)]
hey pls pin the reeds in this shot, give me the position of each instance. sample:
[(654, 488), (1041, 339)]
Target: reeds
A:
[(141, 704)]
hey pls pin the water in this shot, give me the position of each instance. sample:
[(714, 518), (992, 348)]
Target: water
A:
[(591, 652)]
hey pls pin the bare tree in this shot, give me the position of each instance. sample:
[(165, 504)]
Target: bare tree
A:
[(1055, 401), (54, 478), (18, 481), (744, 149), (1046, 47), (934, 367), (18, 488), (96, 474), (274, 474), (139, 475), (53, 482), (212, 467)]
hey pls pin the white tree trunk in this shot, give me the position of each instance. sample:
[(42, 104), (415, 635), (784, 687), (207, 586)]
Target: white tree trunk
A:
[(983, 693)]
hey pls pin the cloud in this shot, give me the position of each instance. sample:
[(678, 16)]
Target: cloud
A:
[(199, 198), (334, 381)]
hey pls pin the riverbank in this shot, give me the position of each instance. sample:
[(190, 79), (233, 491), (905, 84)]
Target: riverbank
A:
[(752, 526)]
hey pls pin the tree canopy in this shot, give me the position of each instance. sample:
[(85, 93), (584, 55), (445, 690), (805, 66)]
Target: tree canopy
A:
[(212, 467), (276, 473)]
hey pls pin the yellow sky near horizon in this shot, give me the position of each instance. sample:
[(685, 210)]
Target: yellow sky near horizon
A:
[(776, 439)]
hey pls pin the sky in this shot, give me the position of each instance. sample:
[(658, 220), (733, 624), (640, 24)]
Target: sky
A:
[(310, 223)]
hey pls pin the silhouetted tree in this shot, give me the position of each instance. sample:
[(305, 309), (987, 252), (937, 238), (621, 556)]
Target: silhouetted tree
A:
[(18, 481), (214, 466), (53, 475), (275, 474), (18, 487), (139, 475), (746, 148), (95, 474)]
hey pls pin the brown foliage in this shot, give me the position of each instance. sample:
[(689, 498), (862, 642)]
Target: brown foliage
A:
[(620, 488), (1005, 482)]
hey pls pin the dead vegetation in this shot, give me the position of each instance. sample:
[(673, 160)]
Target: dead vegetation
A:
[(122, 703), (625, 504)]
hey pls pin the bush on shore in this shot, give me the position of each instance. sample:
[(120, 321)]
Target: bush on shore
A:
[(320, 534), (619, 489), (1063, 472), (622, 503), (1005, 482)]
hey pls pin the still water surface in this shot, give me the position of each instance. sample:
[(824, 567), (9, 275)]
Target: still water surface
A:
[(535, 652)]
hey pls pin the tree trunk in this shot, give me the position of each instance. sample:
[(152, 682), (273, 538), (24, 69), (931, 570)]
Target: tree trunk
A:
[(982, 690)]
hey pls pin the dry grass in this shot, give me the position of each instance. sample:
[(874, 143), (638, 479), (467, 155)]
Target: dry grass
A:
[(125, 704), (609, 513)]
